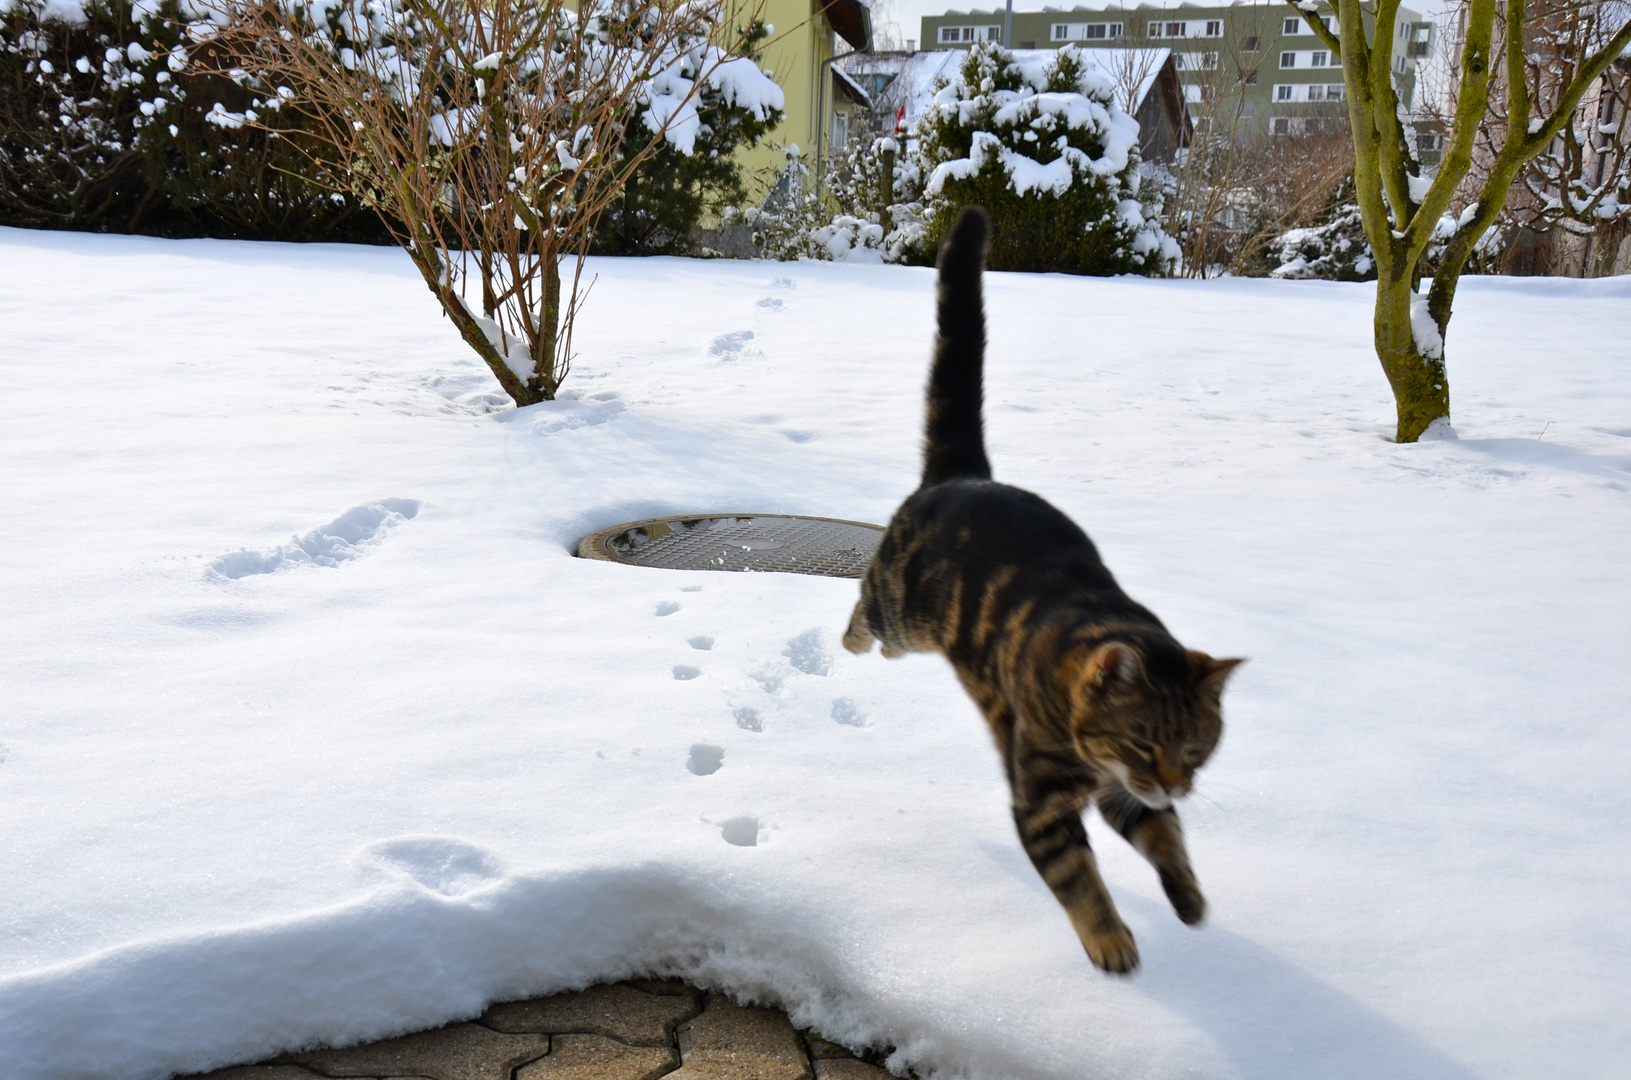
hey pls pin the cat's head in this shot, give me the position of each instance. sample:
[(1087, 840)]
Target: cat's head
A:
[(1147, 712)]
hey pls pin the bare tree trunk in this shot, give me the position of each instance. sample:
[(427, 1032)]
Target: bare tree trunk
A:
[(1401, 208), (1421, 386), (547, 379)]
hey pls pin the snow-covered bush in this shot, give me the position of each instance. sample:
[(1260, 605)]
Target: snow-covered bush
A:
[(103, 126), (669, 193), (878, 220), (796, 222), (784, 224), (1334, 249), (1044, 147), (490, 135)]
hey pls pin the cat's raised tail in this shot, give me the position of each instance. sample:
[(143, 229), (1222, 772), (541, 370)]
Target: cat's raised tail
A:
[(954, 434)]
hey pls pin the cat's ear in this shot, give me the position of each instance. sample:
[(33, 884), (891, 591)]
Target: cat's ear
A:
[(1112, 663), (1209, 673)]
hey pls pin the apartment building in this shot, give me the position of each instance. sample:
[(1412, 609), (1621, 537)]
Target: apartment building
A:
[(1255, 65)]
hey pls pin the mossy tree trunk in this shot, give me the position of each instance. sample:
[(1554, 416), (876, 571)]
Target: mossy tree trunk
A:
[(1401, 209)]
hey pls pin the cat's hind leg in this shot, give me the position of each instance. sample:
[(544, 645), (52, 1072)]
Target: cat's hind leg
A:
[(1159, 837)]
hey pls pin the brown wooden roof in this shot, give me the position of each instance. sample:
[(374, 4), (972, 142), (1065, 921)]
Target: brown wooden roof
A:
[(852, 20)]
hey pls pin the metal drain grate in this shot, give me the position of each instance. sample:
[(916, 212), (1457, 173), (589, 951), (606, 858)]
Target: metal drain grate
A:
[(780, 543)]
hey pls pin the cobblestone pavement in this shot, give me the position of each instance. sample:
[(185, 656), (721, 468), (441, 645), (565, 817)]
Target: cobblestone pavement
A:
[(636, 1030)]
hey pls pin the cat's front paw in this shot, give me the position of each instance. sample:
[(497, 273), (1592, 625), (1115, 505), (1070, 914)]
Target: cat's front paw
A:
[(1112, 950), (1186, 899), (858, 636)]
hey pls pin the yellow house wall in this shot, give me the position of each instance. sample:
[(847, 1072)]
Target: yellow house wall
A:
[(793, 55)]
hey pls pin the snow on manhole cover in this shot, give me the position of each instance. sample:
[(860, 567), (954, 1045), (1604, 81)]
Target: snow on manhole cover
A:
[(759, 542)]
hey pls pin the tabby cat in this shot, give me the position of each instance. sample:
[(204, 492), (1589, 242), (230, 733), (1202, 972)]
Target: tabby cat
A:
[(1088, 696)]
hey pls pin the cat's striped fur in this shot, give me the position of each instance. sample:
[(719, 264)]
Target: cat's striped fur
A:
[(1090, 699)]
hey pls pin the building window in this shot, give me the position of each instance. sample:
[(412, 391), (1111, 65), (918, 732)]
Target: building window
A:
[(950, 34), (1317, 58), (1284, 92), (1086, 31), (1177, 29), (840, 130), (1316, 92), (1286, 125), (1248, 44), (1335, 91), (1292, 27), (1196, 61), (1249, 78), (1214, 28), (1288, 59)]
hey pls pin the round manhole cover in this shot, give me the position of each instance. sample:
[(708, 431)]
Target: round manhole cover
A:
[(781, 543)]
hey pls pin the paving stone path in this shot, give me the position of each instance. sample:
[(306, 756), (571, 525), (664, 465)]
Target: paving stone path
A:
[(637, 1030)]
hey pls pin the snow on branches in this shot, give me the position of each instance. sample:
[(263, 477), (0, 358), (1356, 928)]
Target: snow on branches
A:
[(1042, 143), (489, 134)]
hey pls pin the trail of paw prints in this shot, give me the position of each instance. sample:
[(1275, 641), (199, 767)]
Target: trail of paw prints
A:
[(846, 712), (705, 760), (347, 537), (733, 346), (807, 654), (743, 831)]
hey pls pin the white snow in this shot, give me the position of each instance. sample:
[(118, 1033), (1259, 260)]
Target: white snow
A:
[(1424, 328), (672, 105), (357, 796)]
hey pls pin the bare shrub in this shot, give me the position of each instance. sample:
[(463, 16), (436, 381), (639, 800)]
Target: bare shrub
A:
[(489, 135)]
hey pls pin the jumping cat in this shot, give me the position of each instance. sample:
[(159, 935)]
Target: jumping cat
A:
[(1089, 698)]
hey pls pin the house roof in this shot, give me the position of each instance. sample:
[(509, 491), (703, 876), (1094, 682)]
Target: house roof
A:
[(852, 20), (850, 88)]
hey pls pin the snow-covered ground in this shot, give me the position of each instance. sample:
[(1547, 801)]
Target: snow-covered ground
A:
[(261, 792)]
